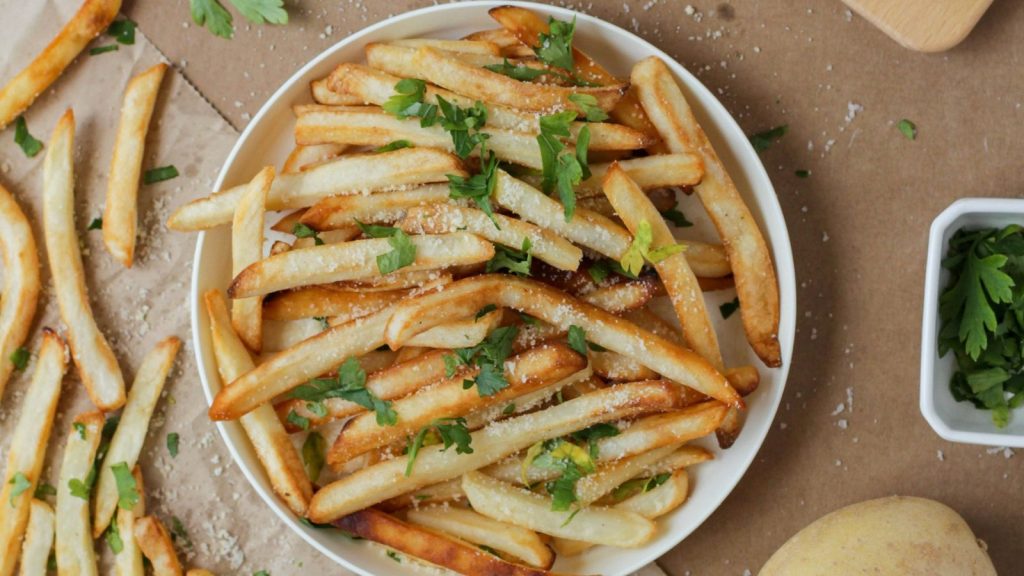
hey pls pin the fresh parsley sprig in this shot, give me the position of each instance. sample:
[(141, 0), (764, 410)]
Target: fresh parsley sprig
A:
[(449, 431), (555, 47), (350, 384), (561, 169), (407, 101), (640, 249), (489, 356), (301, 230), (213, 15), (402, 253), (515, 261)]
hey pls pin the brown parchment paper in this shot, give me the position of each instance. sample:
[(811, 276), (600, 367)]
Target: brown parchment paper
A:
[(858, 224)]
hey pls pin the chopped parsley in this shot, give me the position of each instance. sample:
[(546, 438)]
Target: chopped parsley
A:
[(80, 428), (407, 101), (555, 47), (313, 455), (449, 431), (96, 51), (578, 340), (82, 488), (123, 31), (301, 230), (802, 173), (96, 223), (350, 384), (489, 356), (402, 253), (484, 311), (571, 461), (638, 486), (392, 146), (677, 218), (28, 144), (764, 140), (154, 175), (20, 484), (515, 261), (213, 15), (510, 408), (464, 124), (592, 434), (127, 490), (322, 320), (477, 187), (172, 444), (45, 489), (730, 307), (113, 537), (640, 249), (587, 104), (517, 71), (297, 420), (20, 358), (561, 169), (908, 129), (394, 556), (179, 534)]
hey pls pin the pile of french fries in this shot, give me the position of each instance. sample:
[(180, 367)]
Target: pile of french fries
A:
[(389, 314), (100, 490)]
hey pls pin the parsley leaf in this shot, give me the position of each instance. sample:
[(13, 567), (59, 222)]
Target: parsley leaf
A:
[(262, 11), (313, 455), (45, 489), (20, 484), (587, 104), (80, 428), (729, 308), (301, 230), (573, 463), (350, 384), (408, 101), (155, 175), (484, 311), (517, 71), (555, 47), (451, 431), (489, 356), (403, 251), (677, 218), (640, 249), (82, 488), (598, 271), (392, 146), (113, 538), (908, 129), (516, 261), (477, 187), (592, 434), (578, 340), (20, 358), (96, 51), (172, 444), (298, 420), (96, 224), (802, 173), (218, 20), (29, 145), (638, 486), (764, 140), (463, 124), (394, 556), (561, 169), (127, 491), (179, 534), (123, 31)]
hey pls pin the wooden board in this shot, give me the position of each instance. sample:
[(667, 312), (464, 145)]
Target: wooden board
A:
[(923, 25)]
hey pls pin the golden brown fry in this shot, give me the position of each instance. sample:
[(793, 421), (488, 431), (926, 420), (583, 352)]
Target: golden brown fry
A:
[(341, 212), (199, 572), (465, 297), (28, 448), (35, 553), (430, 546), (322, 94), (472, 527), (748, 252), (347, 175), (387, 479), (247, 249), (354, 260), (624, 296), (463, 46), (20, 282), (126, 444), (618, 368), (75, 553), (676, 275), (447, 218), (317, 301), (462, 333), (525, 373), (92, 354), (91, 19), (121, 211), (155, 543), (418, 281), (649, 172), (303, 158), (271, 443)]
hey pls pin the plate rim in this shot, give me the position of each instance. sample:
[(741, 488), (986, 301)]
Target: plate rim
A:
[(780, 245)]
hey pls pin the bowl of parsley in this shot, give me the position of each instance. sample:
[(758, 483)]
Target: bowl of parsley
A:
[(972, 346)]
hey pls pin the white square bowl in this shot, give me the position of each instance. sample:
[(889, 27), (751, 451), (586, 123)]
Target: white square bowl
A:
[(952, 420)]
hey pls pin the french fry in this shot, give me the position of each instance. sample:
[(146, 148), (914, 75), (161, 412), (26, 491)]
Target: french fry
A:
[(598, 525), (271, 443), (430, 546), (748, 252), (464, 297), (417, 280), (387, 479), (120, 213), (317, 301), (463, 46), (458, 334), (503, 39), (347, 175), (476, 82), (341, 212), (91, 19), (446, 218), (353, 261), (75, 554), (20, 282), (525, 373), (624, 296), (618, 368), (448, 491), (649, 172), (375, 87), (322, 94), (397, 381), (470, 526), (92, 354), (155, 543), (371, 126), (708, 260), (527, 402), (126, 444), (300, 363), (28, 448), (678, 278), (303, 158), (38, 539), (128, 562), (199, 572), (593, 487), (247, 249)]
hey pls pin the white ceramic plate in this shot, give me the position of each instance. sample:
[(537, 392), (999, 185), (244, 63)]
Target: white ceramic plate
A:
[(268, 139)]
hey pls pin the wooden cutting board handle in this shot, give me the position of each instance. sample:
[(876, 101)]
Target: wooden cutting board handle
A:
[(923, 25)]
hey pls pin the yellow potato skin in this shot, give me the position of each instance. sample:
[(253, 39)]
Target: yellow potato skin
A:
[(893, 536)]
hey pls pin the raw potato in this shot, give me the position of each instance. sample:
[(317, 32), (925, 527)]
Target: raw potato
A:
[(894, 536)]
